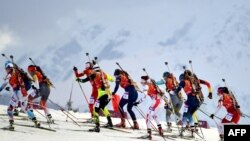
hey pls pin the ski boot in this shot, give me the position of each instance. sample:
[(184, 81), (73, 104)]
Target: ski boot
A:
[(160, 130), (136, 125), (221, 137), (109, 124), (11, 127), (122, 124), (15, 112), (169, 124), (149, 136), (182, 131), (37, 123), (49, 119), (96, 128)]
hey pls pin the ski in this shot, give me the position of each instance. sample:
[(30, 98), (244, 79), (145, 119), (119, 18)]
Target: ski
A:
[(115, 129), (12, 128), (39, 127)]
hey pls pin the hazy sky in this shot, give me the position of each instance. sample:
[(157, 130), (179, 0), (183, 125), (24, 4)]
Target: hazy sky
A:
[(137, 33)]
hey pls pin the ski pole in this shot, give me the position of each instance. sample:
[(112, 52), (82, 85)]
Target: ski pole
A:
[(246, 115), (122, 114), (87, 54), (144, 116), (44, 117), (84, 95), (190, 62), (46, 79), (5, 57), (63, 111), (199, 126), (172, 105), (155, 85), (155, 128), (129, 77), (69, 102), (208, 114)]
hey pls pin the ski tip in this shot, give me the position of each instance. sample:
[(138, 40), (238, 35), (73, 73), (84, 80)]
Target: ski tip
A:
[(3, 54)]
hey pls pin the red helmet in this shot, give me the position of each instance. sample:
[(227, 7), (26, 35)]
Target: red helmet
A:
[(31, 68)]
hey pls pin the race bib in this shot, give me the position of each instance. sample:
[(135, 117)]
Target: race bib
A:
[(125, 96), (229, 117), (185, 110), (91, 100), (151, 108), (13, 102), (33, 94), (97, 104)]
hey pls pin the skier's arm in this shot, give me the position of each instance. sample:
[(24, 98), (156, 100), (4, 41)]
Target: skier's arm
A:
[(210, 96), (207, 84), (110, 78), (161, 82), (79, 74), (3, 85), (36, 82), (83, 80), (117, 83), (219, 106), (145, 91), (181, 85)]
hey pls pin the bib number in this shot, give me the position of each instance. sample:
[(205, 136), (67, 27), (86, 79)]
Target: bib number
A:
[(185, 110), (33, 94), (229, 117), (91, 100), (97, 104), (125, 96)]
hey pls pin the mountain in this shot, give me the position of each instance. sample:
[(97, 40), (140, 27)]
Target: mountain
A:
[(213, 34)]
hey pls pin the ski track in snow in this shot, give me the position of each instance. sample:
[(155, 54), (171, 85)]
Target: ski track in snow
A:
[(66, 131)]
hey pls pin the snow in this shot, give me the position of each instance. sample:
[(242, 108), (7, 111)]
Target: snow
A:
[(137, 34), (66, 131)]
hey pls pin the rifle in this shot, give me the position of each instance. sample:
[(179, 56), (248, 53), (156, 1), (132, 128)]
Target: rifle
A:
[(43, 74)]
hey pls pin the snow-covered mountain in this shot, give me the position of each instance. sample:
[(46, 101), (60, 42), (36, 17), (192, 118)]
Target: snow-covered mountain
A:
[(213, 34)]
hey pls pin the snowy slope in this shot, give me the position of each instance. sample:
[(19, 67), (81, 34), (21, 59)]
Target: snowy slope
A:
[(66, 131), (141, 33)]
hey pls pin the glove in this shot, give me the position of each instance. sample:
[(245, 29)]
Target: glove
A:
[(93, 62), (238, 106), (75, 68), (168, 106), (7, 88), (212, 116), (33, 87), (113, 93), (210, 96), (78, 79), (136, 103), (92, 76)]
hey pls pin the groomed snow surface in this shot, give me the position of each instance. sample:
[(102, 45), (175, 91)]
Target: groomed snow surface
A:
[(68, 131)]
